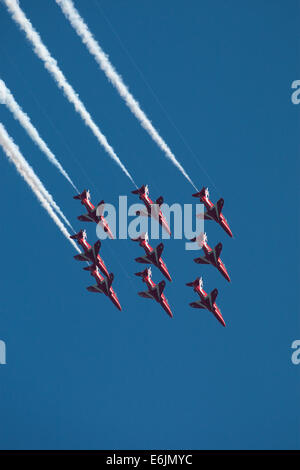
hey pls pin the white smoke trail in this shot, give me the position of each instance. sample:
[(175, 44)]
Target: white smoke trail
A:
[(51, 65), (103, 61), (7, 98), (13, 153), (46, 194)]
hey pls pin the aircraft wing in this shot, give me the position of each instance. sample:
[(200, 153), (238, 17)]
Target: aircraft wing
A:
[(159, 249), (218, 249), (146, 295), (159, 201), (213, 295), (201, 260), (143, 259), (161, 285), (85, 218), (94, 288), (196, 305), (81, 257), (97, 246), (220, 205)]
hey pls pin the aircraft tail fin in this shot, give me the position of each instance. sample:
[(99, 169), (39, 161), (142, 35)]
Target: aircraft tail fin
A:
[(201, 238), (143, 236), (196, 282), (139, 191), (201, 193), (82, 195), (80, 234), (142, 273)]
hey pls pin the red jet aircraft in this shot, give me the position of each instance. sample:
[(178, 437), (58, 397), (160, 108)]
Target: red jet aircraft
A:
[(91, 253), (155, 291), (153, 255), (103, 285), (95, 214), (207, 301), (211, 255), (153, 209), (213, 211)]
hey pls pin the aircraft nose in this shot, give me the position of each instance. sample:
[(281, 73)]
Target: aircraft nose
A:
[(166, 274), (117, 303), (226, 275), (221, 319), (227, 229), (167, 309)]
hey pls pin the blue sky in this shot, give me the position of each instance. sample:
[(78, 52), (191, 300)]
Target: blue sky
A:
[(79, 373)]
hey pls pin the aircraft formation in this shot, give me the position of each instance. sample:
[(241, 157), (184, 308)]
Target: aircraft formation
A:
[(153, 256), (211, 255), (91, 253)]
